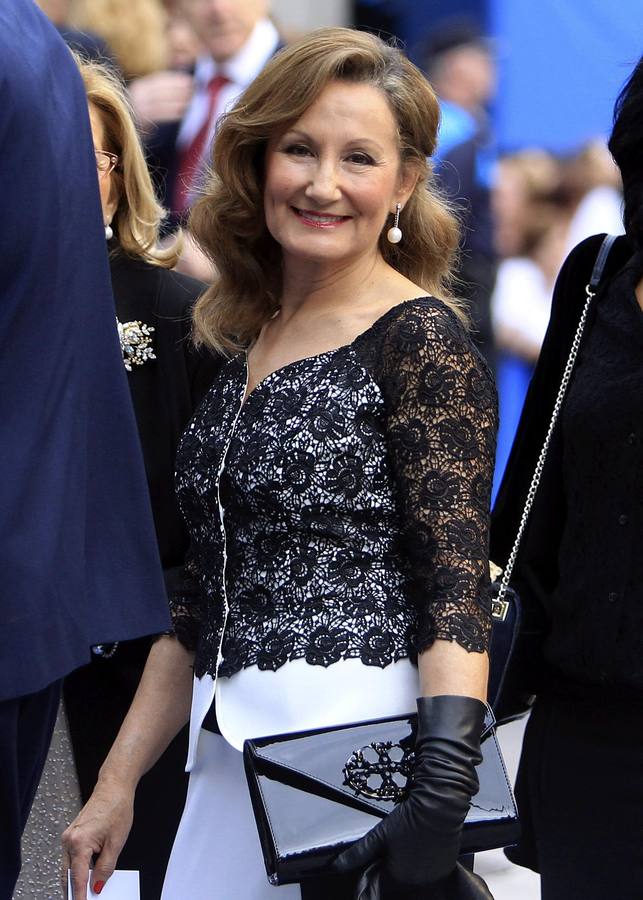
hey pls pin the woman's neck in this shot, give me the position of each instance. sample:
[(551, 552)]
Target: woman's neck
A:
[(322, 287)]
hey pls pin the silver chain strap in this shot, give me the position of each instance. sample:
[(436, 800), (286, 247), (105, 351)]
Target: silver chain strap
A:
[(540, 465)]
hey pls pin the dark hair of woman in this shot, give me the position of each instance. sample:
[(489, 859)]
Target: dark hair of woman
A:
[(626, 144)]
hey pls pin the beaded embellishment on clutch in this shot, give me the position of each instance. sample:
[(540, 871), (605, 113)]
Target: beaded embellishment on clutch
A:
[(136, 343), (381, 770)]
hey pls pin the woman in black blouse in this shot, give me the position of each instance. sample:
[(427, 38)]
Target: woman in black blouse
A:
[(580, 567), (167, 379), (335, 481)]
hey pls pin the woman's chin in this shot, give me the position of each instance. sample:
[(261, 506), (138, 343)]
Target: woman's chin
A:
[(324, 249)]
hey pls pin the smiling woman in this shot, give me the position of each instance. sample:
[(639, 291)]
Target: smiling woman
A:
[(331, 578), (330, 182), (367, 119)]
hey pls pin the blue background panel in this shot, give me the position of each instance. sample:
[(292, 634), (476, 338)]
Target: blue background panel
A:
[(562, 64)]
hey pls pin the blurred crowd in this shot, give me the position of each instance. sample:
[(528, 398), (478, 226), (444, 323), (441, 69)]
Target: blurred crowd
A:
[(543, 206), (184, 61), (522, 211)]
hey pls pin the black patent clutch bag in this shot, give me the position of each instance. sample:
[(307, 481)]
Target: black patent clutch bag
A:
[(314, 793)]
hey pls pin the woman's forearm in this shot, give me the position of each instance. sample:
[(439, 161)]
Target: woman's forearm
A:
[(447, 668), (159, 710)]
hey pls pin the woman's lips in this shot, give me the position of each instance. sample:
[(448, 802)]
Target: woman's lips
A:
[(318, 220)]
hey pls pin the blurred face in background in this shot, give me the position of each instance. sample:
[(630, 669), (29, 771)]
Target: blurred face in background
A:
[(510, 200), (183, 44), (108, 192), (527, 202), (224, 26), (467, 76), (478, 69)]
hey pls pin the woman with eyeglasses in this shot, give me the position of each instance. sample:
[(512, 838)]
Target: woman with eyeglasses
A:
[(167, 378)]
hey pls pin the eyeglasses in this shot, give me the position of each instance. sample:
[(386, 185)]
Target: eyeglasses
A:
[(105, 162)]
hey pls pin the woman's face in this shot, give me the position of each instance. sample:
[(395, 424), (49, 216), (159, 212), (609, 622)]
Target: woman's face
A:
[(335, 176), (108, 194)]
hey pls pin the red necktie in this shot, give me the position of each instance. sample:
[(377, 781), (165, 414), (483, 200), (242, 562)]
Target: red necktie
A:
[(189, 167)]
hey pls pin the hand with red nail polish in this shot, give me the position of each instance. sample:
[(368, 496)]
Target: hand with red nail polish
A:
[(99, 830)]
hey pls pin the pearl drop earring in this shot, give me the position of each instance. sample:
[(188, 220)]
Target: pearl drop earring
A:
[(394, 234), (109, 234)]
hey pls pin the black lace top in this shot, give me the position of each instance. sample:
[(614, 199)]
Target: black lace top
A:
[(342, 510)]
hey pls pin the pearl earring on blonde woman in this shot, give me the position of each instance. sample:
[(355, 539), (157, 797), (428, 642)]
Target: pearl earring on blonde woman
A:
[(394, 234), (109, 234)]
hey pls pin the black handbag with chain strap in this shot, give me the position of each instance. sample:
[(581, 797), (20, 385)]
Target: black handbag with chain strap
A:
[(516, 641)]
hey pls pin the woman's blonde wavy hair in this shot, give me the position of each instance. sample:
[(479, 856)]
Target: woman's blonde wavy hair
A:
[(138, 215), (228, 221)]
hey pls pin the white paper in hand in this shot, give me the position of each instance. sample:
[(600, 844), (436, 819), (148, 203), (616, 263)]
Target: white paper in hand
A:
[(123, 885)]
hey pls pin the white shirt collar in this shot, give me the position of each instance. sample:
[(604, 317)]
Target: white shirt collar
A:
[(242, 68)]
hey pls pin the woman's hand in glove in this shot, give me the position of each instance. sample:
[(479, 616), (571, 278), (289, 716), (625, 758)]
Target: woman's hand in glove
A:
[(461, 884), (418, 843)]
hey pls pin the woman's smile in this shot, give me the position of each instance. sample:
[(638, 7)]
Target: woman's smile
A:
[(314, 219)]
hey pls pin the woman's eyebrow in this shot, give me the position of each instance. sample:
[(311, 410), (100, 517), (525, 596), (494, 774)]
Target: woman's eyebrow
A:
[(304, 136)]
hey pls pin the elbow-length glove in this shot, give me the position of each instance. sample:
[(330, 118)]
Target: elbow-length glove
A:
[(419, 841)]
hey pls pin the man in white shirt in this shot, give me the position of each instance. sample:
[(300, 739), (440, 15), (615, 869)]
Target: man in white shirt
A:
[(239, 39)]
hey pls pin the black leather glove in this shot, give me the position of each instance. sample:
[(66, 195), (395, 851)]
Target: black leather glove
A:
[(418, 843), (461, 884)]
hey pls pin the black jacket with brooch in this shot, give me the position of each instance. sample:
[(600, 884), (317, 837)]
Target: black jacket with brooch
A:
[(577, 569), (165, 391)]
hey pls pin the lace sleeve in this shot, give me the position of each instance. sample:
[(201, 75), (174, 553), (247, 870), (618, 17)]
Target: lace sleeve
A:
[(442, 421), (184, 594)]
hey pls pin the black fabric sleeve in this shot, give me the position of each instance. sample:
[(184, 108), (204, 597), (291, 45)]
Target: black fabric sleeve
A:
[(199, 367), (442, 422)]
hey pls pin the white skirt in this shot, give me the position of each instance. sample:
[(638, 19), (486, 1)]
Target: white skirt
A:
[(216, 853)]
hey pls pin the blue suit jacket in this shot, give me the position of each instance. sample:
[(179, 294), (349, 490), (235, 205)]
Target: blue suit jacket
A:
[(78, 557)]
